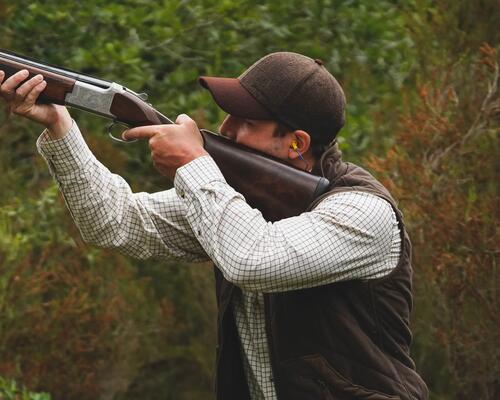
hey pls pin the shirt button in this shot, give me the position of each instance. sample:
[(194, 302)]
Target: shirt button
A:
[(182, 194)]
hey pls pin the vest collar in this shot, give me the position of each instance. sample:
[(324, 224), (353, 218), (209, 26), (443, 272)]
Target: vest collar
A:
[(330, 165)]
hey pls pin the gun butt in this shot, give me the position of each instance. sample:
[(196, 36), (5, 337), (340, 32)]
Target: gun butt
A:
[(277, 189)]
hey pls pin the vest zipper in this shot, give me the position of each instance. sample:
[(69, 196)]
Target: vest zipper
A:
[(219, 347), (274, 369), (324, 390)]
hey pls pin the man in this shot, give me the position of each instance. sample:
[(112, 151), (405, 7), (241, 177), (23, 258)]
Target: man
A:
[(310, 307)]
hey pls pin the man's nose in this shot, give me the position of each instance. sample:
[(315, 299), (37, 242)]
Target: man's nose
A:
[(228, 126)]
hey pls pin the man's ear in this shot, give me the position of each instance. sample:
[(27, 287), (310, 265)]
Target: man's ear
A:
[(300, 142)]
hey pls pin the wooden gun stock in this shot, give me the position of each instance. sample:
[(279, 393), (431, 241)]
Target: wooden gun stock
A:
[(275, 188), (268, 184)]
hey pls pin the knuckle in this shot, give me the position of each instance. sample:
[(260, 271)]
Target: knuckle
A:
[(155, 140), (20, 110), (4, 92), (19, 94)]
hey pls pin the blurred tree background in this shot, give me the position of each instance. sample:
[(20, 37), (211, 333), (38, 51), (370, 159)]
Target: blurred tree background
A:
[(421, 77)]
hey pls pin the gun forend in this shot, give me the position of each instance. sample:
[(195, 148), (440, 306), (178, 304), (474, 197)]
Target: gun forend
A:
[(58, 86)]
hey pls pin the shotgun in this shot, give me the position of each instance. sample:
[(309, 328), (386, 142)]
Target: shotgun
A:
[(275, 188)]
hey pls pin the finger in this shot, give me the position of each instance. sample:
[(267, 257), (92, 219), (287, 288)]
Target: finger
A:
[(9, 86), (27, 87), (2, 75), (189, 125), (141, 132), (25, 106), (32, 96)]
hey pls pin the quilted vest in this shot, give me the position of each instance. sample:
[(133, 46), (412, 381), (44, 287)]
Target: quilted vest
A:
[(345, 340)]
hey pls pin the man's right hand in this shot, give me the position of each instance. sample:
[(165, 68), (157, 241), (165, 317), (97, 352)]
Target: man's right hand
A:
[(21, 100)]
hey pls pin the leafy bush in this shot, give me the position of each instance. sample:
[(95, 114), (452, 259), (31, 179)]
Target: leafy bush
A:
[(162, 48)]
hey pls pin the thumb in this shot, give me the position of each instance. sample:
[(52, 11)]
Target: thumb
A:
[(184, 119)]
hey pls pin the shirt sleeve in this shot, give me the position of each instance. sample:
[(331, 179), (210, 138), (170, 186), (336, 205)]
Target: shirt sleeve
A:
[(349, 235), (106, 211)]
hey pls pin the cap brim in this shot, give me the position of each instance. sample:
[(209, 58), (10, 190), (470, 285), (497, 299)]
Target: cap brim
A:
[(233, 98)]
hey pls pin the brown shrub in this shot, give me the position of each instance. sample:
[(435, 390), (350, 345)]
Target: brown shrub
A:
[(444, 169)]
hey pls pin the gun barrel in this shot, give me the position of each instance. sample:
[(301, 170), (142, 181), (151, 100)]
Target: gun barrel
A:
[(81, 91), (9, 55)]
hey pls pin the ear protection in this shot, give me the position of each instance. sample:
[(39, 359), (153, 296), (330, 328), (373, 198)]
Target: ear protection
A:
[(294, 146)]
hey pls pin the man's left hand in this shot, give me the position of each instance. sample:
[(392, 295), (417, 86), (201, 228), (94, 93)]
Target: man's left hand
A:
[(172, 146)]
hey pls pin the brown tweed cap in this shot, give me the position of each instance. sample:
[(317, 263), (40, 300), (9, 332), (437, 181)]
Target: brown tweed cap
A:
[(287, 87)]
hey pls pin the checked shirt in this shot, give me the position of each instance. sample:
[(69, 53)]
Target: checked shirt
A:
[(349, 235)]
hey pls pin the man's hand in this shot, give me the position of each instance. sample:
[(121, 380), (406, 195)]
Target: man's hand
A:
[(21, 100), (172, 146)]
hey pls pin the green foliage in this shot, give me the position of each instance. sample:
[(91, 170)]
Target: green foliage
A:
[(445, 31), (10, 390), (162, 49)]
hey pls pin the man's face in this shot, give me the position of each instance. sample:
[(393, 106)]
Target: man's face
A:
[(259, 135)]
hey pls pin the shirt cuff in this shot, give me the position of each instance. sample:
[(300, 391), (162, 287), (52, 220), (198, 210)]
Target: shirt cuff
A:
[(65, 154), (196, 175)]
